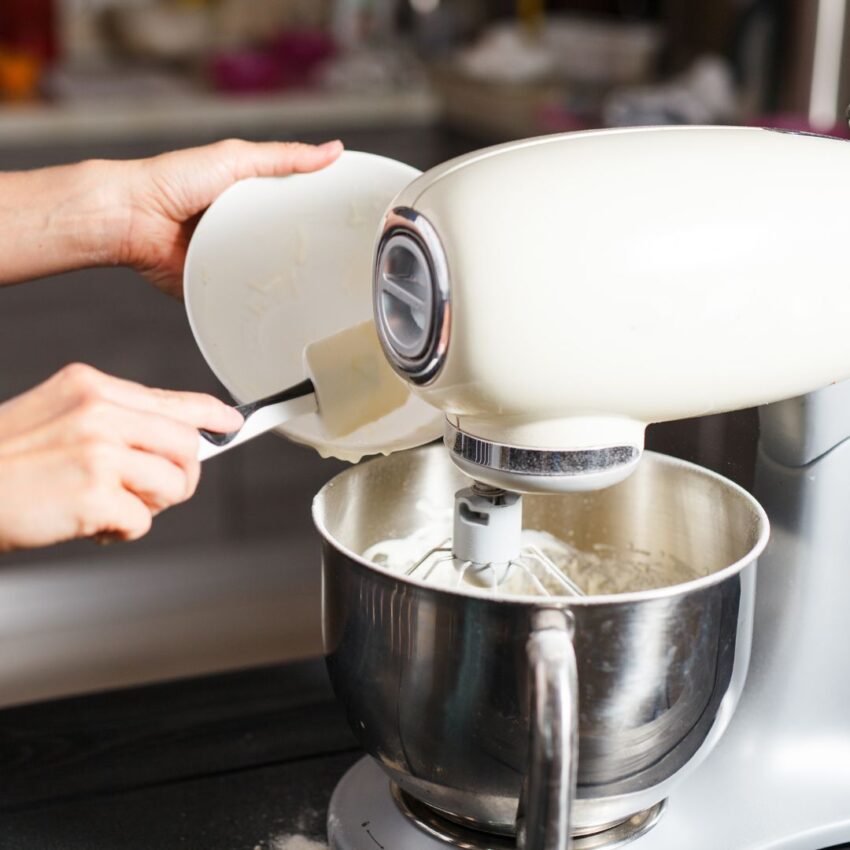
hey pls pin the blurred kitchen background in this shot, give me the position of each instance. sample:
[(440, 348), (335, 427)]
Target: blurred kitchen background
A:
[(232, 578)]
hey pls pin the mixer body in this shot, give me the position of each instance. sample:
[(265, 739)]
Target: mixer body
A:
[(436, 683), (553, 296)]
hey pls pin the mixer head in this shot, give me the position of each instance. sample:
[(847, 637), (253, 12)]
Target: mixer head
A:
[(413, 314), (553, 296)]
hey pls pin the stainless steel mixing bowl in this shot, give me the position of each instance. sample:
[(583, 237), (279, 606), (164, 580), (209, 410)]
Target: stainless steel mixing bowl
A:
[(470, 702)]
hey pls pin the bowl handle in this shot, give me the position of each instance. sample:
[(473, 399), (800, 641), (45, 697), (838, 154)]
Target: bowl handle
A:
[(543, 819)]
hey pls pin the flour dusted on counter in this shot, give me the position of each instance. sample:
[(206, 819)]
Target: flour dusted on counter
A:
[(604, 570), (291, 842), (297, 842)]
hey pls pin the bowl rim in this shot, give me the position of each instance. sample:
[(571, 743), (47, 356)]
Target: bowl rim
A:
[(561, 602)]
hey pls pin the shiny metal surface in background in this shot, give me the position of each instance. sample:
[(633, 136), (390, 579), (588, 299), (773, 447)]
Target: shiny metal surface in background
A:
[(435, 682)]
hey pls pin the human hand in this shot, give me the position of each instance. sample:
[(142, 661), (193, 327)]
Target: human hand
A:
[(85, 454), (164, 197)]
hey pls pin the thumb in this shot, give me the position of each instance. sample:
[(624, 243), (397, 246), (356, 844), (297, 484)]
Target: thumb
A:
[(183, 183), (272, 159)]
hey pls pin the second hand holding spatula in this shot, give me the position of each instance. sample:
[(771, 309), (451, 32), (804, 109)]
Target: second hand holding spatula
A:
[(350, 385)]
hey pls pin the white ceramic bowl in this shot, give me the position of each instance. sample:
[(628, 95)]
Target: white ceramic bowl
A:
[(277, 263)]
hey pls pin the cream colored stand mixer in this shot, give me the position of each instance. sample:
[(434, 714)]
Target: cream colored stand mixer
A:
[(552, 297), (542, 634)]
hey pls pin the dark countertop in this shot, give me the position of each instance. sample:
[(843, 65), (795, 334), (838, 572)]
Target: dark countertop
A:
[(242, 761), (231, 762)]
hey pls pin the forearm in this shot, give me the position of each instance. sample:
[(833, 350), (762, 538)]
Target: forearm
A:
[(139, 213), (59, 219)]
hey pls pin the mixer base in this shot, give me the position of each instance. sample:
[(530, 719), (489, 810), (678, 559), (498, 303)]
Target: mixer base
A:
[(368, 813)]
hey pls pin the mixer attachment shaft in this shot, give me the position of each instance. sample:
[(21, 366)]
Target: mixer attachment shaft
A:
[(487, 550)]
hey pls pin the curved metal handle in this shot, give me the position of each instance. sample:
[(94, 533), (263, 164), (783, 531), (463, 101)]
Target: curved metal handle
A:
[(543, 821)]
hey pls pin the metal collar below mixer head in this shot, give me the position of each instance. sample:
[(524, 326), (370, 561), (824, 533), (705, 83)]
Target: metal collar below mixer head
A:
[(527, 470)]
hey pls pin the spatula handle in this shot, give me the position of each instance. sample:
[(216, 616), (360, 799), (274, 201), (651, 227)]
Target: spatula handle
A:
[(261, 416)]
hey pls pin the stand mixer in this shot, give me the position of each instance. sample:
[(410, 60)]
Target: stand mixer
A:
[(552, 297)]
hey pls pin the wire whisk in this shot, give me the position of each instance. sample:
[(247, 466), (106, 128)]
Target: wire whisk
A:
[(487, 550)]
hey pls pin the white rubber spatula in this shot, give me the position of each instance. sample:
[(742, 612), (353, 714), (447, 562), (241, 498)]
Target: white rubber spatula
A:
[(350, 385)]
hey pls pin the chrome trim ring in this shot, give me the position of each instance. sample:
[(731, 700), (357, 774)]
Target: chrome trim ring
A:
[(536, 462), (454, 833), (423, 366)]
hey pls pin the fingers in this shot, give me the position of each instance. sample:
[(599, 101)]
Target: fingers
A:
[(109, 473), (81, 384), (159, 483), (87, 454), (165, 194), (189, 180), (158, 427), (98, 408), (119, 515), (77, 385), (273, 159), (49, 496), (166, 441), (175, 441)]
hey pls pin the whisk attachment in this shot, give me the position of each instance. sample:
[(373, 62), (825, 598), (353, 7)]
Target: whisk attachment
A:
[(487, 525), (487, 549)]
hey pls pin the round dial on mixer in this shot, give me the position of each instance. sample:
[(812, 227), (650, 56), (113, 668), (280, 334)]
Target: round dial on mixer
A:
[(406, 296), (411, 296)]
